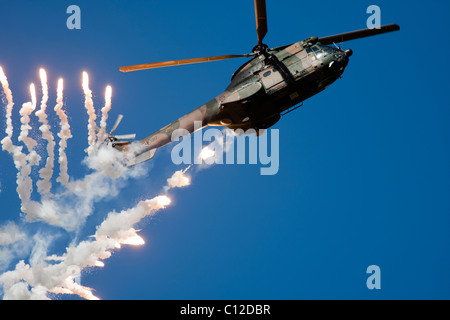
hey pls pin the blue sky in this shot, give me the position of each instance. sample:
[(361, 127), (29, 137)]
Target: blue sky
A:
[(364, 166)]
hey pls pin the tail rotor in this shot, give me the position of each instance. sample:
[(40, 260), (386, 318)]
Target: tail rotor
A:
[(118, 140)]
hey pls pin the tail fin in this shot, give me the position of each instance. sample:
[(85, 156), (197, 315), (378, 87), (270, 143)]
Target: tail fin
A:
[(135, 153)]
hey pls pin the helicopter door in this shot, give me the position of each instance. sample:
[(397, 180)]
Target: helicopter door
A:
[(271, 78)]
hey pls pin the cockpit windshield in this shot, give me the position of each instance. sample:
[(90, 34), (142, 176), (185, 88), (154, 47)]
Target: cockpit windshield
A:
[(328, 50), (320, 50), (317, 51)]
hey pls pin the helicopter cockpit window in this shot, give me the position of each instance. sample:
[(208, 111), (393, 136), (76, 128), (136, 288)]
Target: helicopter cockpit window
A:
[(317, 51), (328, 50)]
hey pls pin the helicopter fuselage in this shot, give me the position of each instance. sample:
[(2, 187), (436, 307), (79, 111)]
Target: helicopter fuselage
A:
[(260, 91)]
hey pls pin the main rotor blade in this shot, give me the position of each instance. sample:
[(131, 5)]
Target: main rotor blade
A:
[(119, 118), (342, 37), (181, 62), (358, 34), (261, 19)]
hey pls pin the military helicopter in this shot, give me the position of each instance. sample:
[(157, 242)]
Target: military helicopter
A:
[(274, 82)]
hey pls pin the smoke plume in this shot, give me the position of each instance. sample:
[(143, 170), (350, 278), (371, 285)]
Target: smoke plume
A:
[(42, 275)]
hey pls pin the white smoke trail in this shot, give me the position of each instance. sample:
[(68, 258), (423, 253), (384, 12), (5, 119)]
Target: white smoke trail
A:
[(25, 112), (44, 185), (13, 243), (89, 105), (69, 286), (44, 273), (24, 183), (10, 233), (7, 144), (23, 162), (9, 106), (119, 226), (64, 134), (117, 229), (178, 180)]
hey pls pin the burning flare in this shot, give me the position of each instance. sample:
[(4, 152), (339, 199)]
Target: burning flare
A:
[(99, 263), (2, 76), (85, 81), (33, 95), (164, 201), (134, 241), (206, 153)]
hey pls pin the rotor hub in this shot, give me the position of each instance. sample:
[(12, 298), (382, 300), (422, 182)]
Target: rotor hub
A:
[(260, 48)]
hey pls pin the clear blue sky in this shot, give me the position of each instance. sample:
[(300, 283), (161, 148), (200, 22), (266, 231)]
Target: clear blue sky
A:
[(364, 171)]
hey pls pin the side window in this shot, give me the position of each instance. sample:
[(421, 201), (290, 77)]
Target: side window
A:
[(309, 51), (318, 52)]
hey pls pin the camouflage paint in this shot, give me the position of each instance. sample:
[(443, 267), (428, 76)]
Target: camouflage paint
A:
[(260, 90)]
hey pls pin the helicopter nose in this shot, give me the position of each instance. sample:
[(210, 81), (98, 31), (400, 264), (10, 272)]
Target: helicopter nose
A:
[(348, 52)]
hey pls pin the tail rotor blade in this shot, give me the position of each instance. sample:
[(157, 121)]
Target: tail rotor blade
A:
[(126, 136), (119, 118), (121, 143)]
